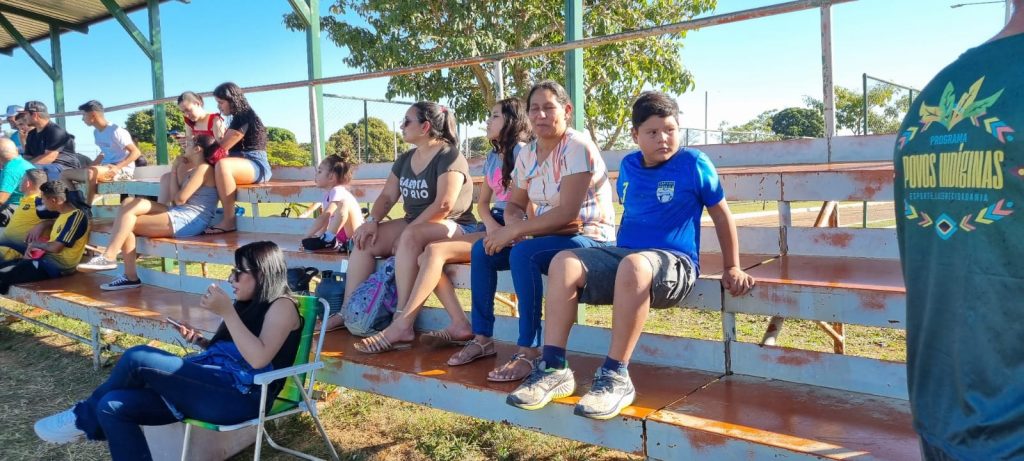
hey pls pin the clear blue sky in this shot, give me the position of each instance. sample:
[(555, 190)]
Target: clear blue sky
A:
[(746, 67)]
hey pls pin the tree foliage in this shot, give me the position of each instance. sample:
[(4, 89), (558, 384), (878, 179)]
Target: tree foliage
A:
[(406, 32), (140, 124), (757, 129), (886, 109), (288, 153), (279, 134), (350, 142), (798, 122), (479, 146)]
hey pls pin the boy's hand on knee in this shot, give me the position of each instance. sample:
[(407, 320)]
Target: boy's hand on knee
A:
[(737, 282)]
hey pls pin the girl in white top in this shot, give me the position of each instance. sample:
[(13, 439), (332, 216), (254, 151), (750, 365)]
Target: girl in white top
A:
[(340, 213)]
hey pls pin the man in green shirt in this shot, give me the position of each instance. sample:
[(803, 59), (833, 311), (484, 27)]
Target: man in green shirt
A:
[(960, 183)]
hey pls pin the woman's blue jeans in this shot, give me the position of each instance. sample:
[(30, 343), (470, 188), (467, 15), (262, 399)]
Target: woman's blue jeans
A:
[(527, 260), (135, 393)]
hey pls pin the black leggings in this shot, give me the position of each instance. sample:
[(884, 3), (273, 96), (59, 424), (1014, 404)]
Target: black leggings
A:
[(22, 271)]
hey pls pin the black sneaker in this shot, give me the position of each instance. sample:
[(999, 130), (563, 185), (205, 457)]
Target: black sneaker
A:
[(318, 243), (121, 283)]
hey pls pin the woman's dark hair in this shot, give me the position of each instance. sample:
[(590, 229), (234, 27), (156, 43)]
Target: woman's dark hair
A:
[(190, 97), (558, 90), (442, 121), (515, 130), (234, 96), (211, 148), (651, 104), (265, 262), (339, 167)]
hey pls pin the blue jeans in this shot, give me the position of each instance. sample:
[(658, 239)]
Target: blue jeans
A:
[(135, 394), (528, 260)]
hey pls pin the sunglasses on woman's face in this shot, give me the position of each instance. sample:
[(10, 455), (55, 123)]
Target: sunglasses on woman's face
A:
[(236, 273), (406, 122)]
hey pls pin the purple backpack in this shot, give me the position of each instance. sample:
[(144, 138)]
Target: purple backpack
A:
[(374, 302)]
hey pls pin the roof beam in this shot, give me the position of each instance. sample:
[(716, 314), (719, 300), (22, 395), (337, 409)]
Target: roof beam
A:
[(302, 10), (118, 13), (43, 18), (25, 45)]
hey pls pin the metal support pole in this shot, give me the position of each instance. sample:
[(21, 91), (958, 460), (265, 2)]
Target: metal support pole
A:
[(705, 118), (315, 71), (316, 143), (826, 72), (157, 66), (56, 62), (366, 130), (865, 86), (574, 61)]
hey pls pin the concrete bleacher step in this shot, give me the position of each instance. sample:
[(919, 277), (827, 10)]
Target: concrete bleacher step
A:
[(863, 291), (139, 311), (744, 417), (421, 376)]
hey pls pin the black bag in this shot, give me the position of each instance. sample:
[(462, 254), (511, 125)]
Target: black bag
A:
[(332, 288), (299, 278), (6, 211)]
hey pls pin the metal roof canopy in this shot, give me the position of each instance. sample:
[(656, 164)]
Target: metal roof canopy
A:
[(23, 22)]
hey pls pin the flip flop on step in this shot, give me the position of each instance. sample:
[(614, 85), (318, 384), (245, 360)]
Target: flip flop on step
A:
[(472, 351), (214, 230), (379, 343), (443, 338)]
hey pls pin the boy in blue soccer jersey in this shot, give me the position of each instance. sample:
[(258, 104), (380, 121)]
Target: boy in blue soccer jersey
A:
[(663, 189)]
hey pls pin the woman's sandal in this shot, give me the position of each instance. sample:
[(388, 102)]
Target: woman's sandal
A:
[(379, 343), (511, 364), (472, 351), (443, 338)]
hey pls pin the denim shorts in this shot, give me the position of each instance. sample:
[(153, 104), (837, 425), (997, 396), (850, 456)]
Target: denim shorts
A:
[(673, 274), (260, 164), (188, 220), (497, 213)]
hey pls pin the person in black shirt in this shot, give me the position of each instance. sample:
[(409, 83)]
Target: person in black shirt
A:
[(246, 142), (48, 146)]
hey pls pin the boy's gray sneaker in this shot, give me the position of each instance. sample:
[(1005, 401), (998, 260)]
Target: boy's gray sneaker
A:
[(611, 392), (542, 386)]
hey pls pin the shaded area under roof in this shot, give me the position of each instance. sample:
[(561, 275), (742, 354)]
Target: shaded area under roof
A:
[(33, 18)]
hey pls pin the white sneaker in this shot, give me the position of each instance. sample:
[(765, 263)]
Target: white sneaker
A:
[(98, 263), (59, 428)]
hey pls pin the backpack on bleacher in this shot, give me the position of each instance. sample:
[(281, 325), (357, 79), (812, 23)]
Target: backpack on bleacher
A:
[(331, 288), (299, 278), (373, 303)]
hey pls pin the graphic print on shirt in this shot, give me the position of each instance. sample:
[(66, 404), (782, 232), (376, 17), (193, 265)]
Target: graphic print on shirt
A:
[(666, 190), (414, 188), (962, 162)]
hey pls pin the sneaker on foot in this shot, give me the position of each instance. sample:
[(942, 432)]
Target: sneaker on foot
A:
[(318, 243), (121, 283), (542, 386), (611, 392), (98, 263), (59, 428)]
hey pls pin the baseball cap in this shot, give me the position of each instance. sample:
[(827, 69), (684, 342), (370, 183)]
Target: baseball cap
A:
[(35, 106), (13, 110)]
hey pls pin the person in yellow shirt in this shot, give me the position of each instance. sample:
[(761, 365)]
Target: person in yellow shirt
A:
[(61, 254), (29, 213)]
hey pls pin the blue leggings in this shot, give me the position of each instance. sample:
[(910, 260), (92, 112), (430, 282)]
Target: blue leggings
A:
[(527, 260), (134, 395)]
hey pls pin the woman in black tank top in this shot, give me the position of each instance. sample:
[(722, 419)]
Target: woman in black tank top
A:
[(148, 386)]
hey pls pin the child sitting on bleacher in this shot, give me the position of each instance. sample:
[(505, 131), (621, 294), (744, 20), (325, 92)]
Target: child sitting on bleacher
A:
[(663, 189), (340, 213), (192, 206), (29, 213), (57, 257)]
